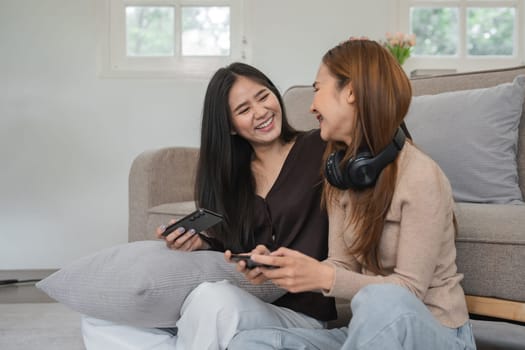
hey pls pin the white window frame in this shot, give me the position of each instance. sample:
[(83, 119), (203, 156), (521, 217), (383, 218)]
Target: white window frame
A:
[(462, 61), (114, 61)]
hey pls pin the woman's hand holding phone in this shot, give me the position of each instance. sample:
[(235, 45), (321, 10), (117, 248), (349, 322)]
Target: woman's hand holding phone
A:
[(297, 272), (252, 273), (181, 240), (187, 234)]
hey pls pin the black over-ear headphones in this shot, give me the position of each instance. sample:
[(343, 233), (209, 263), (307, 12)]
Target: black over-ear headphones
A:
[(363, 170)]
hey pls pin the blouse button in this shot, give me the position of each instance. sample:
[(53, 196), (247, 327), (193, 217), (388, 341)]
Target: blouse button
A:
[(273, 238)]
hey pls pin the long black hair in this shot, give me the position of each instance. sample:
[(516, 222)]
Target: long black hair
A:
[(225, 182)]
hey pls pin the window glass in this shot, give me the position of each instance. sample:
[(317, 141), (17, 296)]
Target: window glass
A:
[(436, 30), (490, 31), (205, 31), (150, 31)]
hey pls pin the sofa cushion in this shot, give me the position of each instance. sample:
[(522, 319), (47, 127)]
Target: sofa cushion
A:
[(473, 136), (142, 283), (491, 247)]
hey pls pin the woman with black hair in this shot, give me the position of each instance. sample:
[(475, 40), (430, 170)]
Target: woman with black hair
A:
[(264, 177)]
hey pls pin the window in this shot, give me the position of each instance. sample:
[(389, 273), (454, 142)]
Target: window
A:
[(464, 34), (183, 38)]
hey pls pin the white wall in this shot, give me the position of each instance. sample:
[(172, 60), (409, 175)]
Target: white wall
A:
[(68, 137)]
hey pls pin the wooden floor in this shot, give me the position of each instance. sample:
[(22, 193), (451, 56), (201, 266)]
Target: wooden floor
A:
[(23, 292)]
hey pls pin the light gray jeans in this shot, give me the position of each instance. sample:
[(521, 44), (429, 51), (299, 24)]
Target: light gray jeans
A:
[(385, 316)]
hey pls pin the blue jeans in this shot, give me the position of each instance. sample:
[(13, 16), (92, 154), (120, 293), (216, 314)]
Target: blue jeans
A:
[(385, 316)]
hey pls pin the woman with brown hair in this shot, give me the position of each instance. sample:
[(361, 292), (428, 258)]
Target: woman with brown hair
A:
[(391, 221)]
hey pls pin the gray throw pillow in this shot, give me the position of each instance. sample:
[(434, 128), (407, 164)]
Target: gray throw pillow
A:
[(143, 283), (473, 136)]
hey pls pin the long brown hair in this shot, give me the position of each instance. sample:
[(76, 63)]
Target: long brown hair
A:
[(382, 97)]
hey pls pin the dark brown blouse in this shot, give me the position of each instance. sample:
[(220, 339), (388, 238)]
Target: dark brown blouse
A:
[(291, 216)]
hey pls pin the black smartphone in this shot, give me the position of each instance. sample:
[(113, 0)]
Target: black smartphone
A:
[(250, 264), (200, 220)]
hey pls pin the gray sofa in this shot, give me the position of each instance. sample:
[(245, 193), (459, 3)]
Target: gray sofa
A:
[(490, 241)]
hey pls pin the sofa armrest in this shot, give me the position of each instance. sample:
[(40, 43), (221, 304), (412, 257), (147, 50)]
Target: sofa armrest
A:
[(156, 177)]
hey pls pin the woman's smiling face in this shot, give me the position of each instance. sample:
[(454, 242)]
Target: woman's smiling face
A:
[(333, 106), (256, 114)]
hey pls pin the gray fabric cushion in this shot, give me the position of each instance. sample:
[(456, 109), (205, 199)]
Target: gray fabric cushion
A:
[(472, 135), (491, 248), (142, 283)]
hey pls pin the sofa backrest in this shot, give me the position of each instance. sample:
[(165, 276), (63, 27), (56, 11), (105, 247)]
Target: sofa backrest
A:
[(297, 100)]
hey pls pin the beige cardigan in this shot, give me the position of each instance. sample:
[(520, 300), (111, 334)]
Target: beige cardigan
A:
[(417, 247)]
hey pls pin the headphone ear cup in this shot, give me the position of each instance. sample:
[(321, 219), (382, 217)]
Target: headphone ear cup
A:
[(361, 172), (358, 173), (332, 171)]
